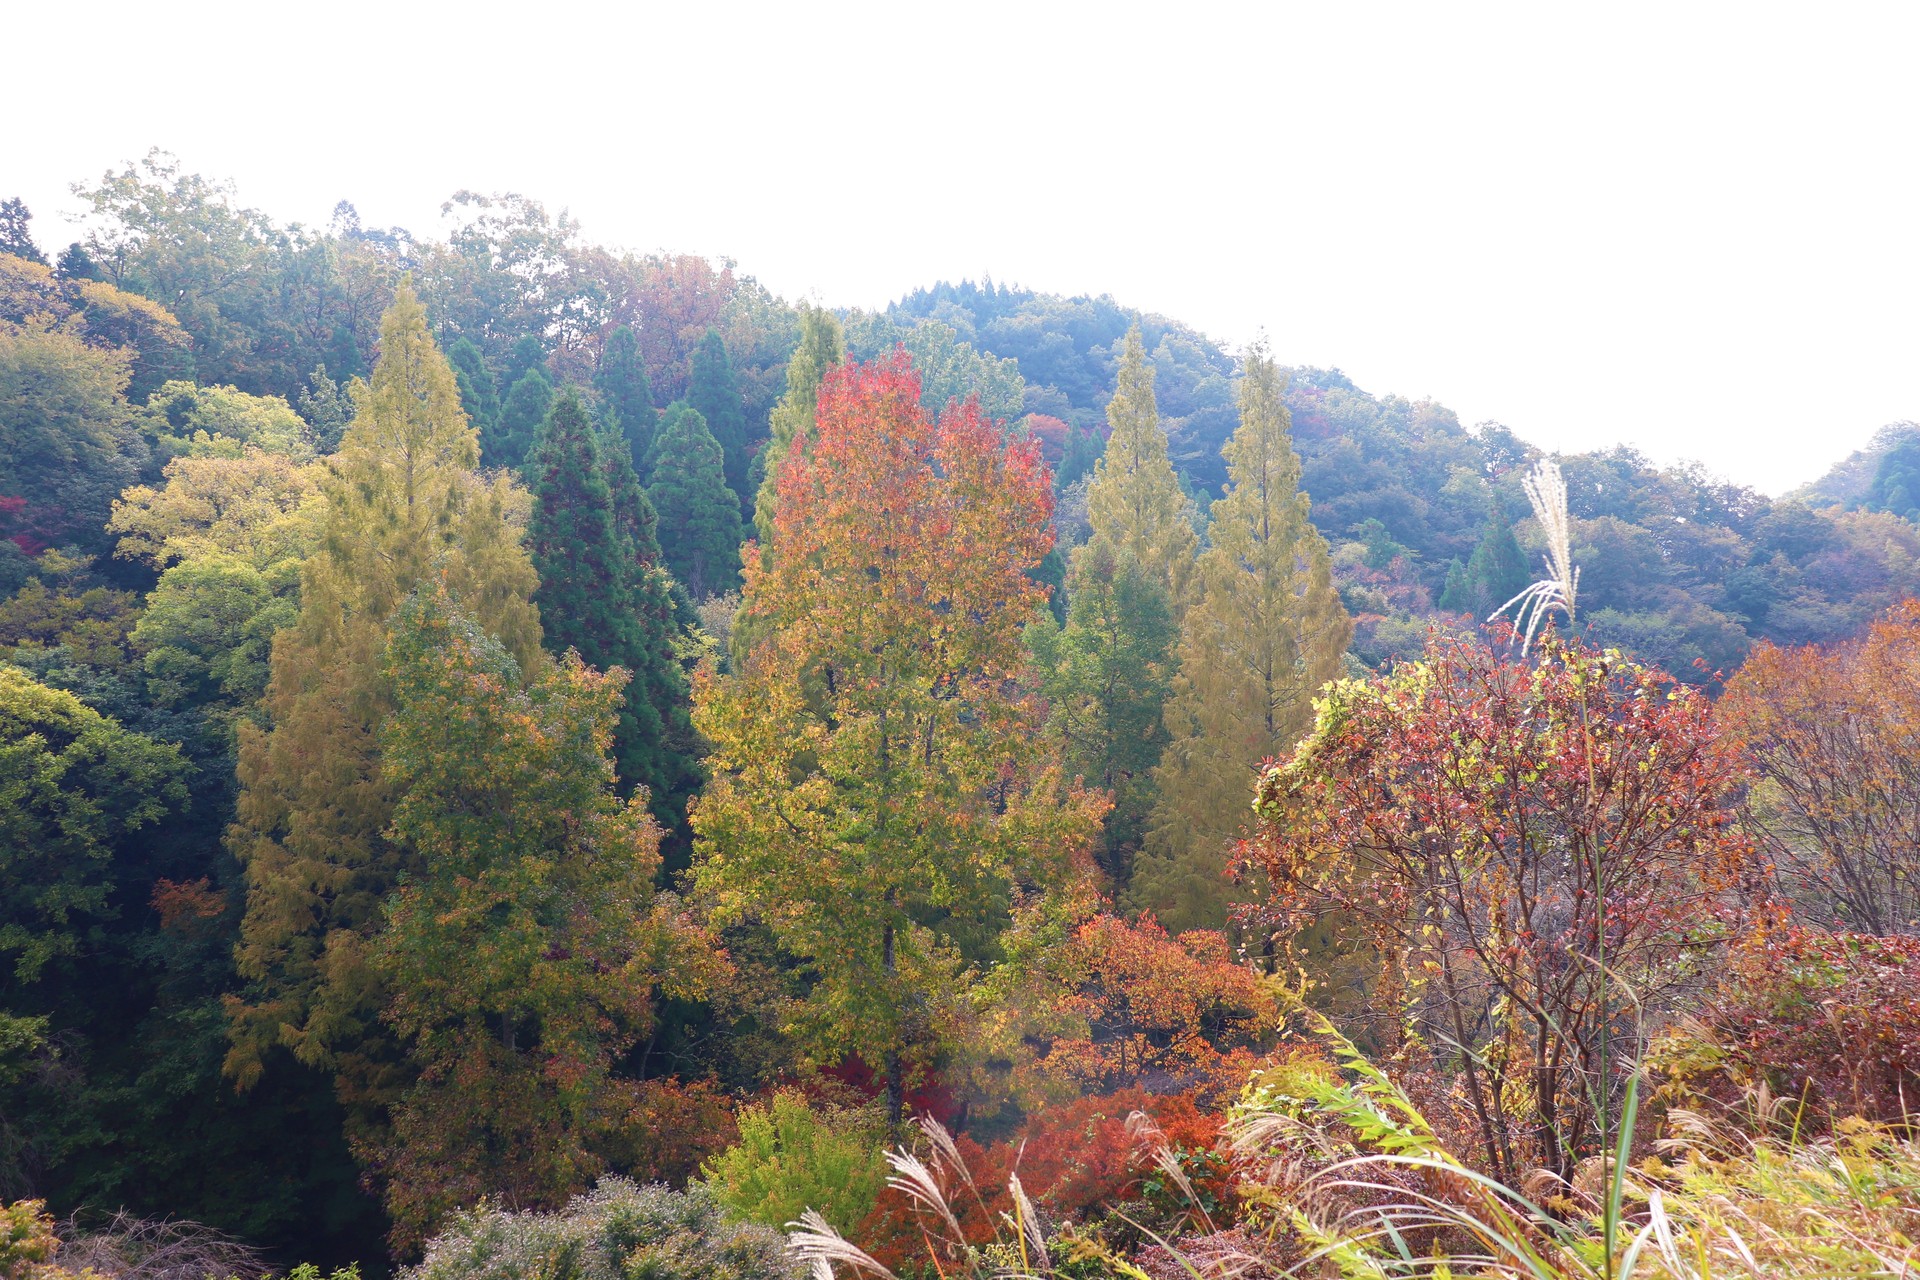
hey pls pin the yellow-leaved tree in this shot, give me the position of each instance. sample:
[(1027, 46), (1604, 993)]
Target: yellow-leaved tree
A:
[(1265, 632), (404, 506)]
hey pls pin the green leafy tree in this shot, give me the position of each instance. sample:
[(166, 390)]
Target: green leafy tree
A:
[(791, 1158), (404, 506), (1106, 676), (66, 446), (599, 591), (518, 426), (714, 392), (1265, 633), (73, 786), (699, 515), (523, 954), (626, 397), (1136, 503), (477, 393)]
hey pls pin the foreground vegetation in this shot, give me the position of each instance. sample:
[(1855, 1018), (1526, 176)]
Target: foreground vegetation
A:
[(521, 760)]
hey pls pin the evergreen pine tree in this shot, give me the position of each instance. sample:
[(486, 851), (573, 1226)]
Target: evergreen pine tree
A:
[(1135, 503), (1082, 452), (626, 397), (1105, 676), (1457, 595), (601, 594), (713, 390), (1265, 632), (822, 347), (520, 419), (525, 355), (699, 516), (1497, 570), (477, 393), (311, 828)]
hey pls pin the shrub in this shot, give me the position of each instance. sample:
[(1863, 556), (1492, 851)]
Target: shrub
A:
[(791, 1158), (618, 1231), (1830, 1018)]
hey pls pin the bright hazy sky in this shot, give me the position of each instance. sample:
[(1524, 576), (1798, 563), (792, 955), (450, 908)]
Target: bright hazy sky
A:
[(1688, 227)]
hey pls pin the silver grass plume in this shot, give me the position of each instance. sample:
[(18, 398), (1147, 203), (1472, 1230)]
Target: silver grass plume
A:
[(814, 1241), (1546, 489)]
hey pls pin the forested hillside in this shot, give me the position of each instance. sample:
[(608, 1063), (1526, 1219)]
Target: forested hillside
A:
[(487, 712)]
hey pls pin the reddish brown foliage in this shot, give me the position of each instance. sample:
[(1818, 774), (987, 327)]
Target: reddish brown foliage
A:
[(1072, 1160), (1831, 1019), (1531, 850), (1835, 734)]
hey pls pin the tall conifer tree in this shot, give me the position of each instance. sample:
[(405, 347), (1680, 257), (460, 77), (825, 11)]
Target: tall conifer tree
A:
[(822, 347), (518, 426), (626, 397), (1265, 632), (699, 515), (1135, 503), (311, 831), (600, 596), (478, 396), (1105, 675), (715, 392)]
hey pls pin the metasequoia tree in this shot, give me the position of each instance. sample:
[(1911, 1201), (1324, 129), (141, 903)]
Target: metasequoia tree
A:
[(404, 506), (1833, 734), (523, 952), (1265, 631), (1535, 852), (1134, 502), (878, 787)]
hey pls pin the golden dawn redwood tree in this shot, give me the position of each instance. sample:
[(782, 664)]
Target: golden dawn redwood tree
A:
[(1134, 502), (878, 792), (404, 507), (1266, 630)]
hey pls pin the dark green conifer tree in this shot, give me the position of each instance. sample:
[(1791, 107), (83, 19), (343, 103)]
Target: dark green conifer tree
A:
[(1078, 458), (699, 514), (519, 422), (1457, 595), (601, 596), (626, 397), (1497, 570), (527, 353), (715, 393), (478, 395)]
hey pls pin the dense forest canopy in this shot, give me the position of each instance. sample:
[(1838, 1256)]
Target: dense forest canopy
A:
[(487, 715)]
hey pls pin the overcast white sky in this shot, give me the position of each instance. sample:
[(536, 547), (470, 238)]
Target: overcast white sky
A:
[(1687, 227)]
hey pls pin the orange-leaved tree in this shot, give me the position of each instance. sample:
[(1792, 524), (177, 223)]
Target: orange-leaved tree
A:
[(1536, 852), (1834, 733), (879, 790)]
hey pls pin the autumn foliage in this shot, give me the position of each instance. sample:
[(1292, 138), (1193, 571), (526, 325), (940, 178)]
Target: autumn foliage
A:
[(1530, 850), (1834, 733)]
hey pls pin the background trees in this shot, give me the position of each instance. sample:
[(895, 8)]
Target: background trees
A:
[(876, 792)]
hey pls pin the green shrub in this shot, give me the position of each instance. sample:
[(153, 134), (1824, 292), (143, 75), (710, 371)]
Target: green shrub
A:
[(791, 1158), (618, 1231)]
